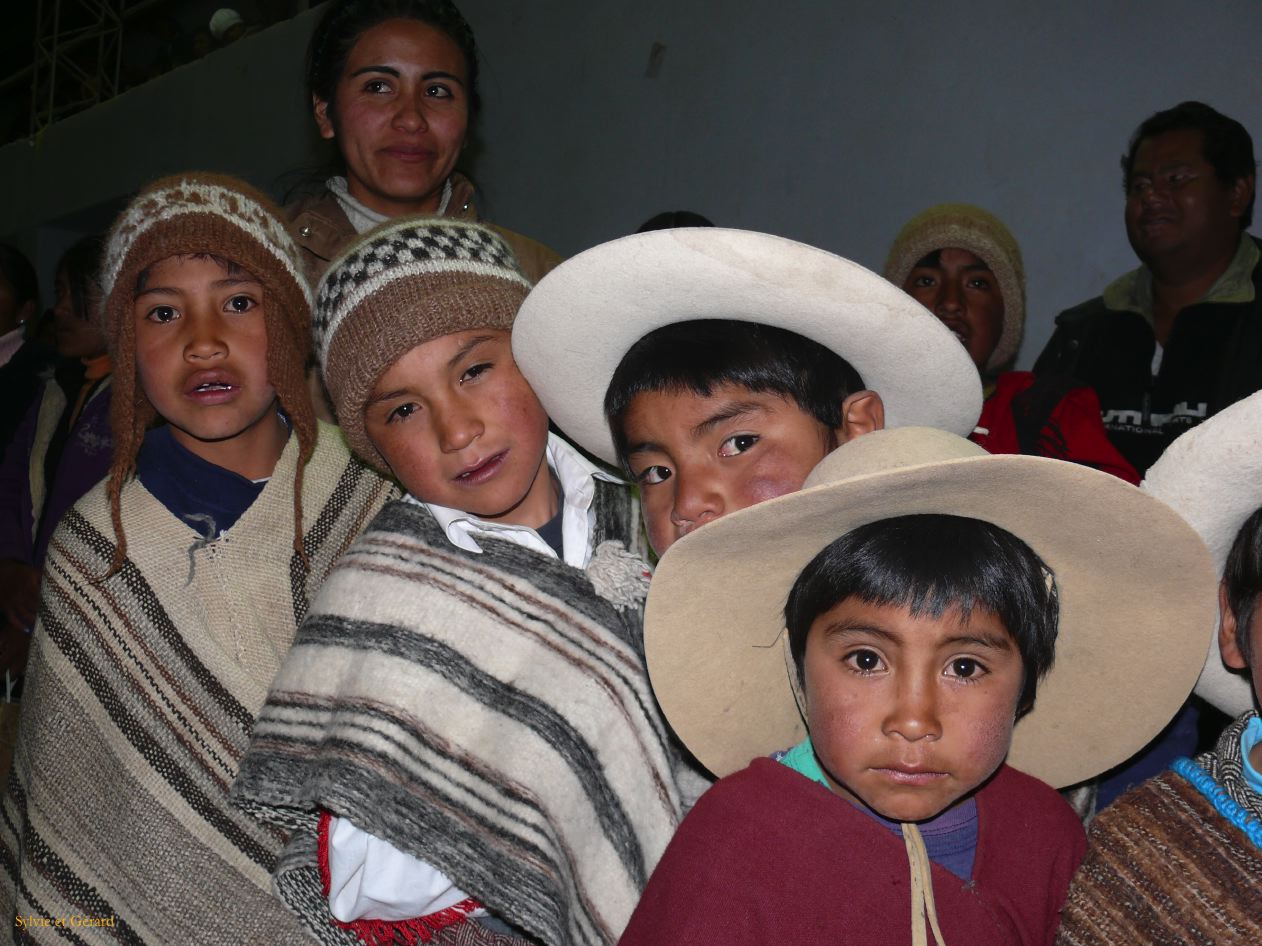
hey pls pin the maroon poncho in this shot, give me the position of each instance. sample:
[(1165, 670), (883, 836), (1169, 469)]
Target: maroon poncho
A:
[(768, 856)]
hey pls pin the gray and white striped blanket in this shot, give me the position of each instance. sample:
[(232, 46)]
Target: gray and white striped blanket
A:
[(490, 714)]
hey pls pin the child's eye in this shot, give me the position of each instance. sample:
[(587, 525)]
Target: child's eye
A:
[(923, 281), (737, 444), (240, 303), (475, 372), (402, 412), (376, 86), (865, 661), (162, 314), (652, 475), (979, 282), (438, 92), (966, 668)]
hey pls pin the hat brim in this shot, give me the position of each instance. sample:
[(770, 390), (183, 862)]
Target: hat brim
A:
[(581, 319), (1212, 476), (1136, 599)]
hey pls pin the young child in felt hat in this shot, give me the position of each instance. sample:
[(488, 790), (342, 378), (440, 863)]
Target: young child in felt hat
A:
[(172, 589), (936, 623), (720, 366), (466, 702), (1179, 858)]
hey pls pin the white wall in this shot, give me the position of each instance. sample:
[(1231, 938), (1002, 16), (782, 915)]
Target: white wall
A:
[(828, 122)]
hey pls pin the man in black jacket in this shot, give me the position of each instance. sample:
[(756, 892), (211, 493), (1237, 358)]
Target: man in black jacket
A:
[(1179, 338)]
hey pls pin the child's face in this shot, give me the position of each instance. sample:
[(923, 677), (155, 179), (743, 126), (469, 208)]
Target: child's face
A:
[(909, 714), (201, 357), (461, 428), (699, 458)]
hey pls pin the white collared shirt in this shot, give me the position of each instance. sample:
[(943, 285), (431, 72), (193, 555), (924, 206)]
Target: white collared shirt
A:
[(371, 878)]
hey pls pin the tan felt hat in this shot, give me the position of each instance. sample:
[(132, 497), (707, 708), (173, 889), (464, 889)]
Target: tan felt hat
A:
[(581, 319), (1212, 476), (1136, 599)]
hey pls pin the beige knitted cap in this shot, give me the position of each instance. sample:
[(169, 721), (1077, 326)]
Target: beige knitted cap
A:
[(965, 227), (399, 286)]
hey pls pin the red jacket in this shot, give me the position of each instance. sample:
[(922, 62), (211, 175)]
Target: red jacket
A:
[(768, 856), (1073, 430)]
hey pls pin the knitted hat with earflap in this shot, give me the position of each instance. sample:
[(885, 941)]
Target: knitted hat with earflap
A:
[(200, 214), (401, 285), (965, 227)]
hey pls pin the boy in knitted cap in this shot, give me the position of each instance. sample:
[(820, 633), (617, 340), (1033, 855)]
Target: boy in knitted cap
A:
[(965, 267), (172, 590), (1179, 858), (718, 367), (464, 729)]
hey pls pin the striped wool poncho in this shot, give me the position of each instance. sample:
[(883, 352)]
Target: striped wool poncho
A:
[(1176, 861), (141, 695), (488, 713)]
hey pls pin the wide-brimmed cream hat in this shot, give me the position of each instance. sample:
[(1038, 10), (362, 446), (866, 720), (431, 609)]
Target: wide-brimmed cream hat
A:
[(581, 319), (1212, 476), (1136, 585)]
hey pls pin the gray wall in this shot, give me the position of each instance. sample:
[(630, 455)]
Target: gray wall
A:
[(830, 123)]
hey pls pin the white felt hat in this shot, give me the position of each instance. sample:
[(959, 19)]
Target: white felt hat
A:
[(1212, 476), (1135, 584), (581, 319)]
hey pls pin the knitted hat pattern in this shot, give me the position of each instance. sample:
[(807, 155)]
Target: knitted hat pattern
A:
[(401, 285), (204, 214), (965, 227)]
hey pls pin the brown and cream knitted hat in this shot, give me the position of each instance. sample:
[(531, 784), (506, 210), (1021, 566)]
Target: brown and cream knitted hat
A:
[(204, 214), (397, 287), (965, 227)]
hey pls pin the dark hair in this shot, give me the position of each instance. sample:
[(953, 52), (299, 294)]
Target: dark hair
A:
[(345, 21), (1242, 579), (18, 272), (930, 564), (673, 220), (700, 355), (81, 266), (231, 267), (1225, 144)]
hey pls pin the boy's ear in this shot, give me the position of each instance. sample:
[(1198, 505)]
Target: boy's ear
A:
[(321, 110), (861, 413), (1227, 645)]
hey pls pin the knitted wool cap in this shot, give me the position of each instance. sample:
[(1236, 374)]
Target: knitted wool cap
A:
[(965, 227), (401, 285), (199, 213)]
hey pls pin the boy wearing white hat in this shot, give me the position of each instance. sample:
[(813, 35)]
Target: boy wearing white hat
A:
[(720, 366), (926, 601), (1179, 858)]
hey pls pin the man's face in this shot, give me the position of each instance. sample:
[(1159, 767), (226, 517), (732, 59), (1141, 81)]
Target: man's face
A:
[(1176, 207)]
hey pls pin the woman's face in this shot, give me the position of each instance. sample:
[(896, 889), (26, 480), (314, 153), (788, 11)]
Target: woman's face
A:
[(400, 115)]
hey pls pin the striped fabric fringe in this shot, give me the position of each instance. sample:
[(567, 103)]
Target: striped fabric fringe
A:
[(141, 694), (489, 714), (1165, 866)]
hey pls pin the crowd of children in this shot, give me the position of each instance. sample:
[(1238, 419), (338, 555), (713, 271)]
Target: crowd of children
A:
[(470, 713), (712, 590)]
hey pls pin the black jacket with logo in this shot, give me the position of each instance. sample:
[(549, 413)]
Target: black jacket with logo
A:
[(1213, 358)]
